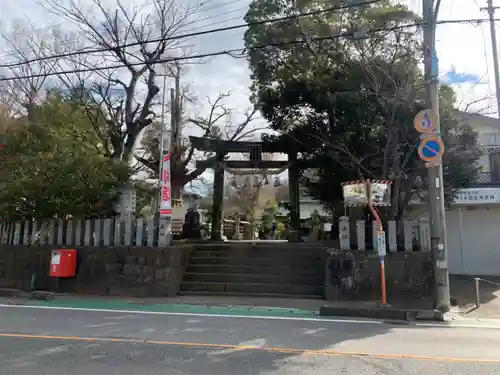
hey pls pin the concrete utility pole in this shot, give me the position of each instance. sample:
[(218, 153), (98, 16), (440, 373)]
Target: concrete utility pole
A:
[(436, 192), (491, 13), (164, 220)]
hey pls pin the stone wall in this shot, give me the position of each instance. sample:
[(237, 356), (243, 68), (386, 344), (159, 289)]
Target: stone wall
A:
[(126, 271), (352, 275)]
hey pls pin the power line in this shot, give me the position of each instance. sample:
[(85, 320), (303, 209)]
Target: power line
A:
[(232, 52), (192, 34), (229, 52), (201, 9)]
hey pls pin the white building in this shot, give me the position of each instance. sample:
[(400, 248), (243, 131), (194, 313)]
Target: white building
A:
[(473, 224)]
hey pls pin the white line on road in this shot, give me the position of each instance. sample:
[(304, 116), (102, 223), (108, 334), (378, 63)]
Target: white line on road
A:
[(451, 324), (100, 325), (143, 312)]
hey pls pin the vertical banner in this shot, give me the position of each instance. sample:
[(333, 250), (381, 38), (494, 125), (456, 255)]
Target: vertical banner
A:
[(165, 187)]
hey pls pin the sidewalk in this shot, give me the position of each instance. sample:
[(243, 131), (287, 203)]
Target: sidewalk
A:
[(463, 289), (212, 305)]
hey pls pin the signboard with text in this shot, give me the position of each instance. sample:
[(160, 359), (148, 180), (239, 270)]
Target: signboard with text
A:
[(477, 195), (355, 194), (165, 187)]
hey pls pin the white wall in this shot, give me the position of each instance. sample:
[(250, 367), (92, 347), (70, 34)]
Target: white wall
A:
[(474, 240)]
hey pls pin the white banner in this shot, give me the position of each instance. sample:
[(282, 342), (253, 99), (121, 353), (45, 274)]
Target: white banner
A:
[(165, 186)]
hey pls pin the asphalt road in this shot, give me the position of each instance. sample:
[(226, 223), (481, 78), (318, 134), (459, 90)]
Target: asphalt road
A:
[(41, 341)]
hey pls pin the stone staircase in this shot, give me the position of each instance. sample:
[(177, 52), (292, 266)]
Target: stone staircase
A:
[(276, 270)]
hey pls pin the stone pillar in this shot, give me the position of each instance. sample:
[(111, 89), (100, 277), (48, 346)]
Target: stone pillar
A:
[(393, 239), (424, 234), (293, 186), (408, 235), (218, 198), (237, 226), (344, 233), (360, 235)]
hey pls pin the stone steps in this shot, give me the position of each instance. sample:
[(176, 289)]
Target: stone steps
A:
[(259, 253), (242, 261), (260, 295), (289, 279), (252, 288), (297, 269), (285, 270)]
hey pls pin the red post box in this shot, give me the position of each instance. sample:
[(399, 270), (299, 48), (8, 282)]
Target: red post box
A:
[(63, 263)]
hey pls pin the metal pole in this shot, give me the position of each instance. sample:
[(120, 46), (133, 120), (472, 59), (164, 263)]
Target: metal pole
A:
[(478, 296), (380, 231), (436, 193), (491, 13)]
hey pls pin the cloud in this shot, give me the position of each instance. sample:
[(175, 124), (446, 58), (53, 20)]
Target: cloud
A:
[(453, 77), (464, 50)]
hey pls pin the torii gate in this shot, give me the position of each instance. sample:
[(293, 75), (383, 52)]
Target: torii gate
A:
[(221, 148)]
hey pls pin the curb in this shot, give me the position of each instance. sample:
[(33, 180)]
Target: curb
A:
[(35, 295), (12, 293), (383, 313)]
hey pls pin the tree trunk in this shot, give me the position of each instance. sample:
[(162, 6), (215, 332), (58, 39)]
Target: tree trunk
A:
[(176, 192)]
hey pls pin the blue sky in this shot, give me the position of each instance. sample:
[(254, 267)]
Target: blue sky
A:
[(452, 77)]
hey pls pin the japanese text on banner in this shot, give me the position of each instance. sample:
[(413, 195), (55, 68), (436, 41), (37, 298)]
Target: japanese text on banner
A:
[(165, 198)]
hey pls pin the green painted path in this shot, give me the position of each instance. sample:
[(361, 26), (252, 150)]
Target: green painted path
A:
[(113, 305)]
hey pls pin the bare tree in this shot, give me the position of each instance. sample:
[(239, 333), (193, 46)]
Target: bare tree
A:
[(27, 51), (217, 123), (134, 40)]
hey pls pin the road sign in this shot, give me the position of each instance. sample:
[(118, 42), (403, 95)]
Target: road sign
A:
[(381, 245), (425, 121), (431, 149)]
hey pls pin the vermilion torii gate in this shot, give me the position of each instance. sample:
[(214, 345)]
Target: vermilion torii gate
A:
[(222, 148)]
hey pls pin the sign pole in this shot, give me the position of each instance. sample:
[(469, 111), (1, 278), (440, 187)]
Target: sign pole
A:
[(430, 9), (381, 245)]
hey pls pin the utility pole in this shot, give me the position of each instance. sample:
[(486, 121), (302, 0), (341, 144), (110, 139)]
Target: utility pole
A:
[(164, 211), (491, 13), (435, 177)]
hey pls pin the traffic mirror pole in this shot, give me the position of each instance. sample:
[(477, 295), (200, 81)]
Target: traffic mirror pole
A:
[(380, 244)]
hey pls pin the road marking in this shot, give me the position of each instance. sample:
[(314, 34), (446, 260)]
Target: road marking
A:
[(324, 352), (143, 312), (100, 325), (448, 324)]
